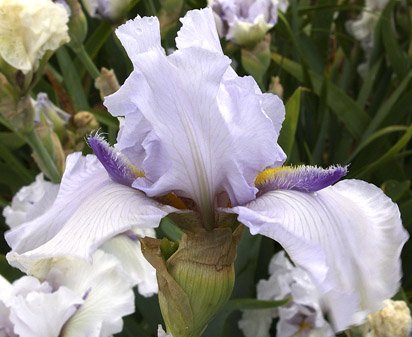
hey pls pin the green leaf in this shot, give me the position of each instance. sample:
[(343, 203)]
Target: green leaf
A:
[(396, 189), (7, 271), (252, 303), (346, 109), (389, 155), (378, 134), (322, 19), (72, 79), (24, 175), (386, 107), (11, 140), (368, 83), (397, 57), (288, 131)]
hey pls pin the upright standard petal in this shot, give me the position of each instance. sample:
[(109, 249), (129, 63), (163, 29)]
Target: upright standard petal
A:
[(343, 236), (90, 209), (203, 118)]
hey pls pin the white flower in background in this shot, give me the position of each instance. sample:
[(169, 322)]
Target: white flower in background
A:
[(29, 29), (246, 21), (394, 320), (108, 9), (363, 28), (197, 136), (302, 316), (76, 299), (32, 201)]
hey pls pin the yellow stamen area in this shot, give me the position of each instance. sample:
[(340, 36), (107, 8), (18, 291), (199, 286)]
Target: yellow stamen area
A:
[(136, 171), (173, 200), (269, 174), (304, 326)]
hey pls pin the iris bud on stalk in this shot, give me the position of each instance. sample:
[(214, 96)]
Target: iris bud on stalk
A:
[(17, 111), (77, 23), (106, 83), (52, 144), (196, 279)]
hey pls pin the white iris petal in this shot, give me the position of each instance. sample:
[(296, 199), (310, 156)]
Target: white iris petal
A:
[(343, 236)]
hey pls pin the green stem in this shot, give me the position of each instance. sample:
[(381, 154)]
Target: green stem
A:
[(87, 62), (150, 7), (38, 148)]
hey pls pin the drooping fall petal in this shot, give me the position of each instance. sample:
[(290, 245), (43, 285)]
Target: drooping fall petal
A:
[(344, 236)]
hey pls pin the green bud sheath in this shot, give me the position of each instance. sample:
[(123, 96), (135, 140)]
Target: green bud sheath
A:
[(197, 279)]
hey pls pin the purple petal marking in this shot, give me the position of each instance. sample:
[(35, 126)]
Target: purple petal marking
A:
[(114, 162), (131, 235), (300, 178)]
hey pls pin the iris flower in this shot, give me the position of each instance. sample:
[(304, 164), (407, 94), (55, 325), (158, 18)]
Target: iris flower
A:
[(246, 22), (75, 299), (196, 136)]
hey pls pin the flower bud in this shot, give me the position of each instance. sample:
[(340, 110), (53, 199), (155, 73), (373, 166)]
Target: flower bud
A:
[(51, 143), (394, 320), (77, 23), (17, 111), (55, 116), (196, 280), (85, 123), (106, 83), (275, 86)]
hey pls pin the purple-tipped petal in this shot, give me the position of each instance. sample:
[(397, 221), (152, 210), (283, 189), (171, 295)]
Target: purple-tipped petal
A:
[(301, 178), (116, 165)]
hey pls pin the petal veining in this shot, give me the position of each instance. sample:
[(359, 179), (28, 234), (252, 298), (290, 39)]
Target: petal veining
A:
[(344, 235), (210, 131), (90, 209)]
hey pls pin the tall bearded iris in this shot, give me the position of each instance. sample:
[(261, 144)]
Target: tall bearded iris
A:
[(198, 138)]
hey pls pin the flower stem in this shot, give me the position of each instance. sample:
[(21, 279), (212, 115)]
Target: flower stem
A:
[(87, 62), (43, 156), (150, 7)]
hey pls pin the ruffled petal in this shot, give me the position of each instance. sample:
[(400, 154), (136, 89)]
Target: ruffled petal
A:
[(30, 201), (126, 247), (90, 209), (344, 236), (105, 288), (190, 122), (198, 30), (139, 36), (43, 314)]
